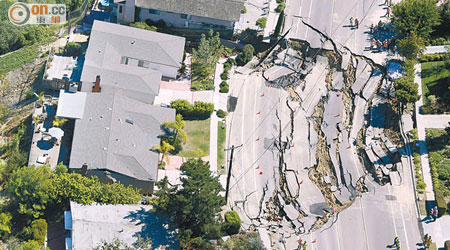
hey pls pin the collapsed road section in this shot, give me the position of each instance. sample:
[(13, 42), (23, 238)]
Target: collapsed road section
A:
[(326, 137)]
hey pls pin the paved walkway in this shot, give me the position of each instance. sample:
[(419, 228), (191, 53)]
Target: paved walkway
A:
[(435, 49), (439, 229)]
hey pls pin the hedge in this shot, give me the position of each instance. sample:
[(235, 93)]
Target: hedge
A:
[(200, 110), (232, 223), (433, 57)]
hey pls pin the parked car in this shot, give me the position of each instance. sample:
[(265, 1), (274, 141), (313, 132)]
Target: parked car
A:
[(43, 159)]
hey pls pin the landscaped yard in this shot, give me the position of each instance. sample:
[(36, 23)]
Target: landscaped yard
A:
[(221, 136), (198, 139), (435, 82), (439, 152)]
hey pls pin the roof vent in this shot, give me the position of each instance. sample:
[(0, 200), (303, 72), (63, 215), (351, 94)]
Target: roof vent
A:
[(129, 121), (106, 128), (105, 148), (133, 42), (117, 139), (90, 119), (101, 116)]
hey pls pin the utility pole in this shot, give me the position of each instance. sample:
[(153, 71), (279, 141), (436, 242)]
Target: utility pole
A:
[(229, 171)]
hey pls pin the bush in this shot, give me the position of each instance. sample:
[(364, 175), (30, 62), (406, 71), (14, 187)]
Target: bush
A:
[(73, 49), (231, 61), (261, 22), (224, 89), (280, 1), (280, 7), (224, 75), (244, 10), (200, 110), (221, 114), (232, 223), (447, 245)]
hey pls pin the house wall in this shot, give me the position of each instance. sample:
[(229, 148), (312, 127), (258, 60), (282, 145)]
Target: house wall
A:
[(194, 22), (146, 187)]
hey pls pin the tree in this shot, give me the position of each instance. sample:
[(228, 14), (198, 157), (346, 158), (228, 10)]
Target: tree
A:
[(116, 244), (205, 57), (143, 25), (247, 53), (164, 149), (193, 207), (29, 192), (261, 22), (411, 46), (73, 49), (32, 245), (178, 128), (419, 16), (406, 90)]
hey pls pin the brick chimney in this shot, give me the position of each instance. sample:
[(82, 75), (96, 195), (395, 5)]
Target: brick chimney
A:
[(97, 88)]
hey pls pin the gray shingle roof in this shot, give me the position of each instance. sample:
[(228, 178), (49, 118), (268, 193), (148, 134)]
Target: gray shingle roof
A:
[(110, 42), (229, 10), (116, 133)]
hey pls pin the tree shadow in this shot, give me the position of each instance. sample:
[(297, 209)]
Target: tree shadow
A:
[(433, 71), (155, 227)]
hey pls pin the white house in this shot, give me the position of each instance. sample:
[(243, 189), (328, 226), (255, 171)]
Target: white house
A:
[(192, 14)]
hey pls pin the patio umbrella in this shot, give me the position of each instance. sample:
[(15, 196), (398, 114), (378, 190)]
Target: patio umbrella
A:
[(56, 132)]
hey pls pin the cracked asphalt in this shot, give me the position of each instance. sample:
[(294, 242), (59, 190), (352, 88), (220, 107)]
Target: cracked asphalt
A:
[(315, 163)]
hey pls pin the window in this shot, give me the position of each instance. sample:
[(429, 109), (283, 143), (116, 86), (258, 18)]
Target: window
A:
[(153, 11), (120, 9), (124, 60), (184, 16)]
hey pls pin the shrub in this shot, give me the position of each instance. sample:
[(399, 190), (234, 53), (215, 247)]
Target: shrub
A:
[(232, 223), (224, 89), (261, 22), (231, 61), (244, 10), (280, 7), (447, 245), (280, 1), (221, 114), (224, 75), (73, 49)]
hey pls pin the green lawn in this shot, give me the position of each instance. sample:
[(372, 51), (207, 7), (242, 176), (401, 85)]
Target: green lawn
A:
[(221, 136), (198, 139), (435, 82)]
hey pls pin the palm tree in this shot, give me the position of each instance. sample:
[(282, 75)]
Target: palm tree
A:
[(57, 122), (164, 149), (178, 128)]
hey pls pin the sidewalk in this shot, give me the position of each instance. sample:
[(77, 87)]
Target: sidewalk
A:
[(438, 229), (435, 49)]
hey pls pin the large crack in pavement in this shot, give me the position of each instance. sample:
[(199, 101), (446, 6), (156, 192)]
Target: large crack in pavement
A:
[(340, 99)]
